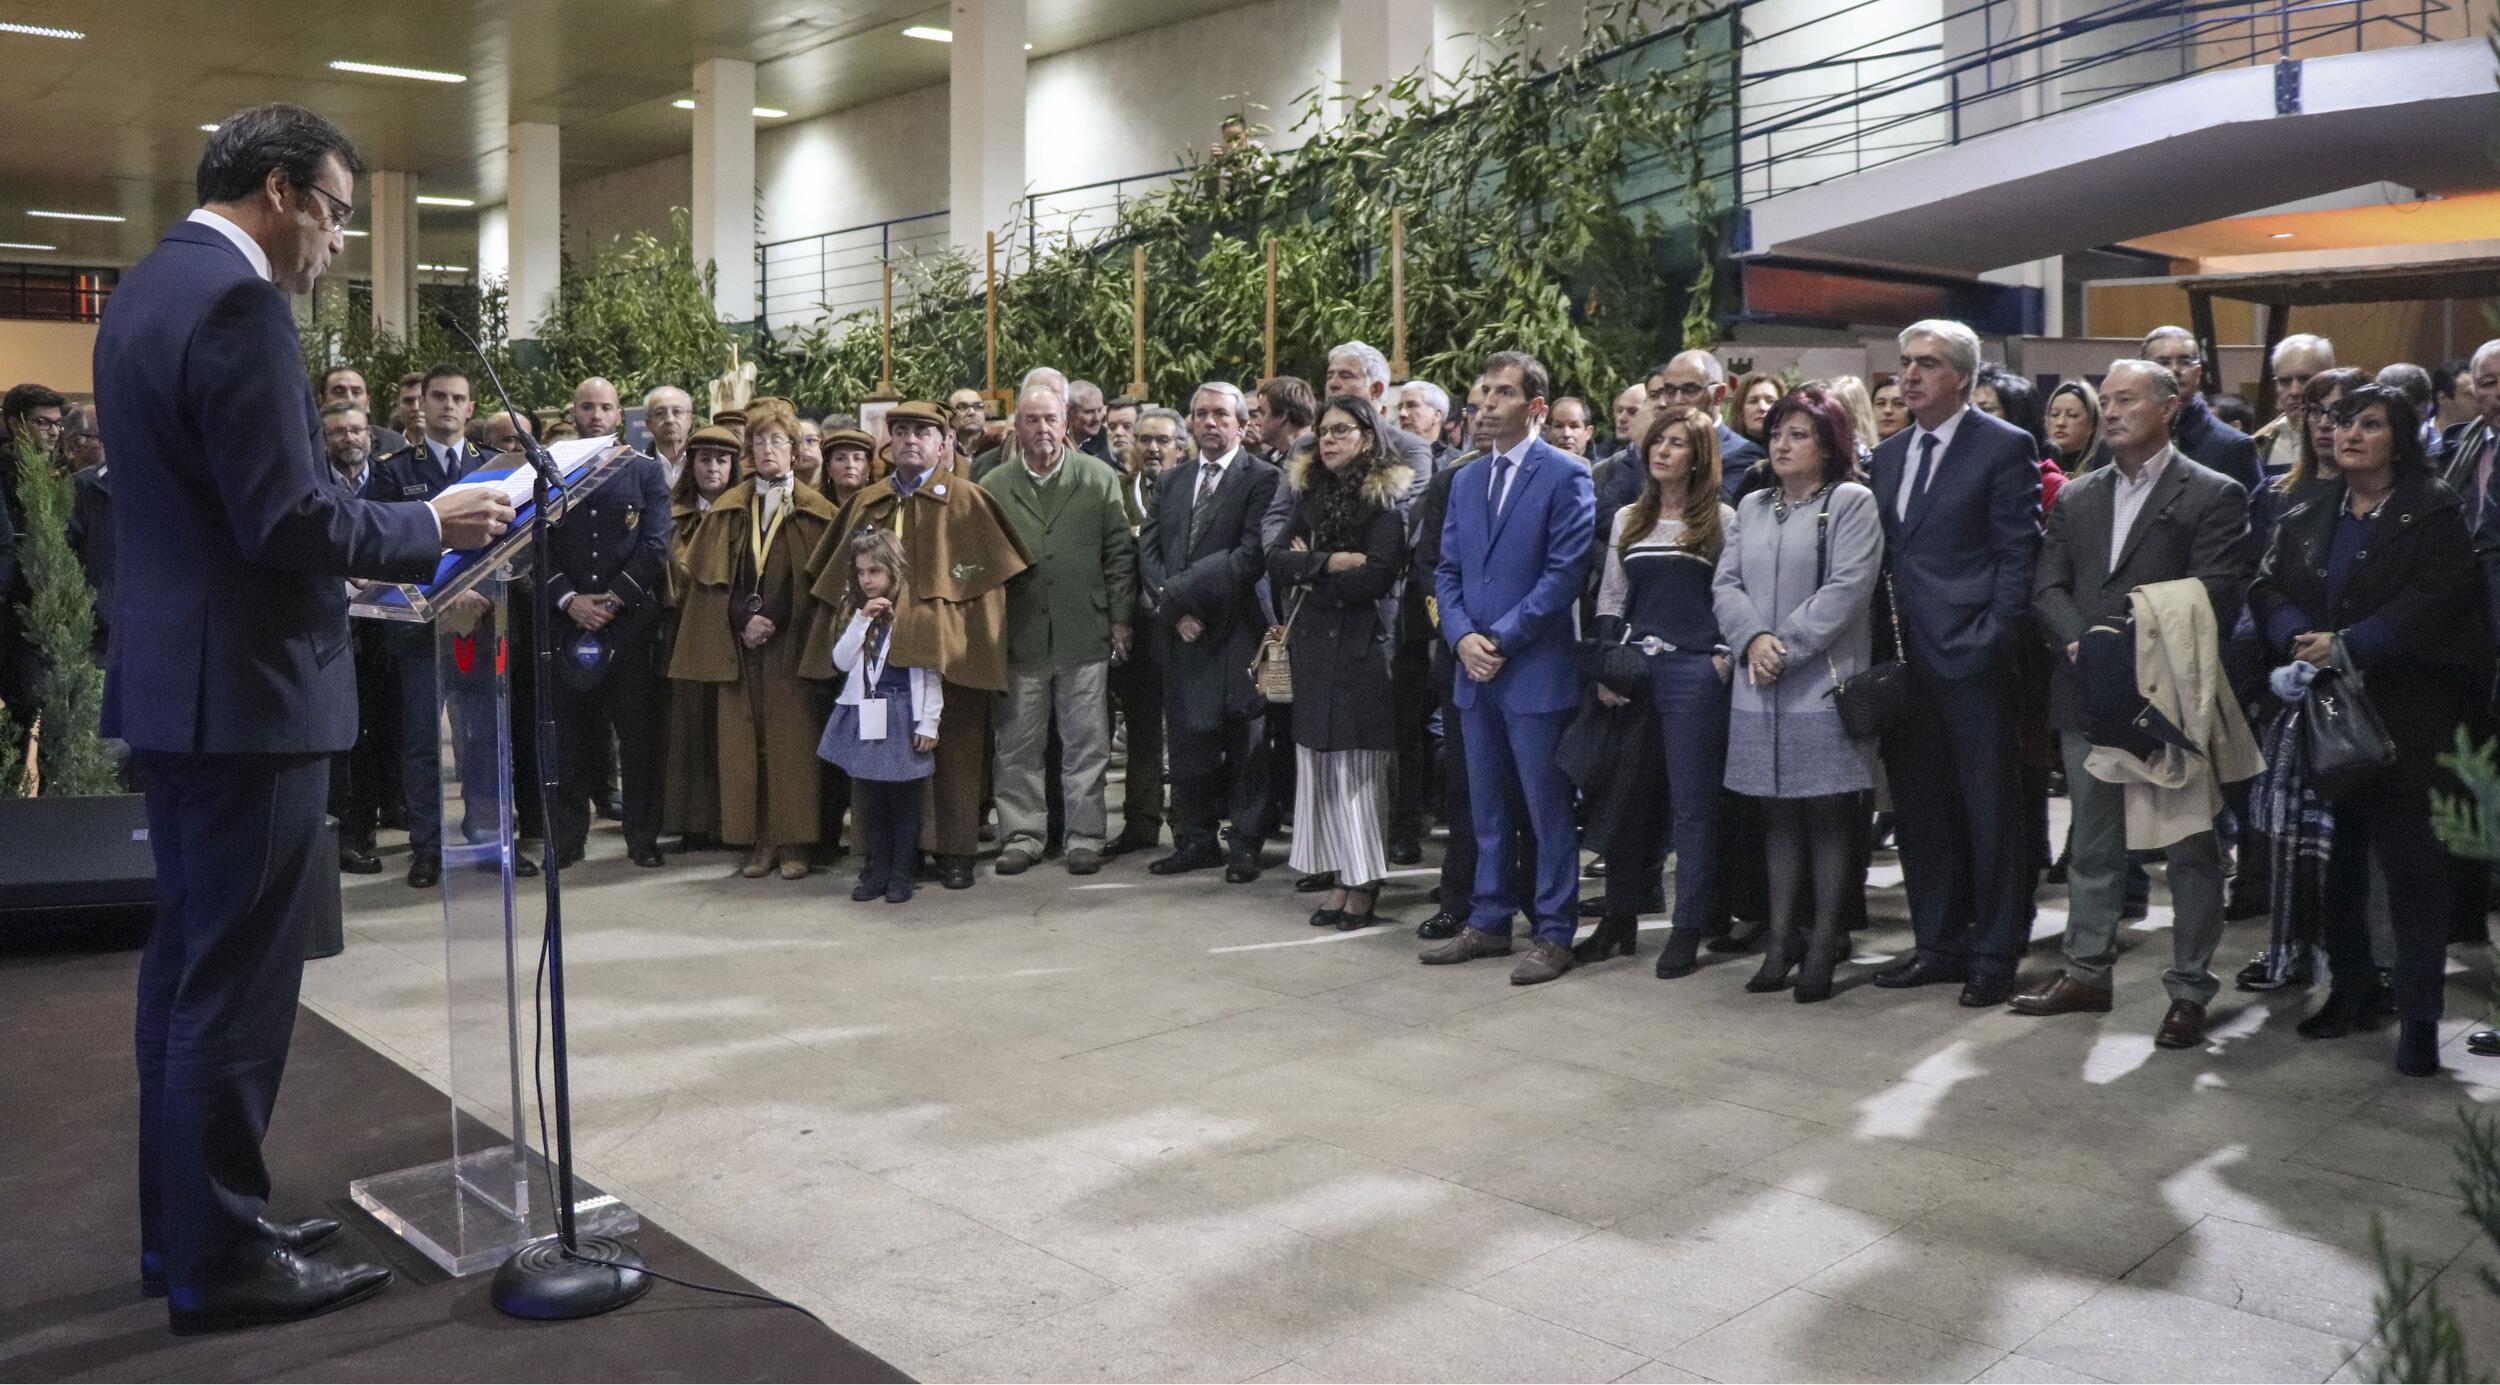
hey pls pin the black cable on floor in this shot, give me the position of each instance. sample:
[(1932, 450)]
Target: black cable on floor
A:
[(538, 1085)]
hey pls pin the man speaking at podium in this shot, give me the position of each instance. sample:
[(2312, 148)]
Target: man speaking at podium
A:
[(231, 680)]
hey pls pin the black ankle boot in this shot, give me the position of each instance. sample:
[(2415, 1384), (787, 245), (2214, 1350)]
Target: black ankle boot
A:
[(1615, 933), (1677, 958), (2417, 1048), (2349, 1007), (1778, 959)]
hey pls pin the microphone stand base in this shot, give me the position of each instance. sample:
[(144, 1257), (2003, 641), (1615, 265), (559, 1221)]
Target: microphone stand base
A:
[(544, 1281)]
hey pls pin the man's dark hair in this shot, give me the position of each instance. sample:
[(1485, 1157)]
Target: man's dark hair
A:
[(1125, 401), (445, 371), (2233, 408), (287, 138), (1533, 380), (1289, 397), (22, 400), (414, 377), (336, 371), (2413, 381), (2445, 376)]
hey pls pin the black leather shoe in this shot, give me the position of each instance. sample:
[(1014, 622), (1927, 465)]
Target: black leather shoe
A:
[(425, 870), (1922, 971), (567, 858), (1244, 868), (1986, 992), (1314, 884), (1678, 957), (1441, 925), (1133, 839), (2348, 1008), (358, 860), (1326, 918), (1405, 851), (279, 1286), (649, 858), (1185, 859), (2483, 1043), (1615, 933), (303, 1237), (955, 872)]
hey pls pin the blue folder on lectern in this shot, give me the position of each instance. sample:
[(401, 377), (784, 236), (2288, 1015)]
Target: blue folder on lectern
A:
[(584, 463)]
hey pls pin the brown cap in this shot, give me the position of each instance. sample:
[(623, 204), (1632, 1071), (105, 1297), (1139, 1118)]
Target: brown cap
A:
[(849, 437), (713, 436), (922, 410)]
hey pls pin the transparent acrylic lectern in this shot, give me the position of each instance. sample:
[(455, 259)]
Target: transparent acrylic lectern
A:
[(469, 1212)]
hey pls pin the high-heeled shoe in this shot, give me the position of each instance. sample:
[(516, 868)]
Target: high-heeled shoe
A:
[(2417, 1048), (1779, 959), (2349, 1007), (1615, 933), (1814, 975), (1679, 957)]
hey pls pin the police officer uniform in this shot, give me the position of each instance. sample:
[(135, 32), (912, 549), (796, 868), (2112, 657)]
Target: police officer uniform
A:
[(614, 544), (362, 774), (420, 471)]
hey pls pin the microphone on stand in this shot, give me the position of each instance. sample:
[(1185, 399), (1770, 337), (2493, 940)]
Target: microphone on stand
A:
[(559, 1276)]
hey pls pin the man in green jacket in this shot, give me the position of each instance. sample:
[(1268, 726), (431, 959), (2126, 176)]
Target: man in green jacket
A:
[(1068, 617)]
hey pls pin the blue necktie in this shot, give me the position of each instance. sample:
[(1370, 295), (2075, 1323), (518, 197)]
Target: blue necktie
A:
[(1926, 472), (1501, 478)]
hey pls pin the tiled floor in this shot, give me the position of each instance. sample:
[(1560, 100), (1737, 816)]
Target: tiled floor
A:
[(1129, 1129)]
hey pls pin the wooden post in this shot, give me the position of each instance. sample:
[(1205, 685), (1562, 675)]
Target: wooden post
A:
[(885, 376), (1271, 310), (1137, 322), (989, 332), (1397, 294)]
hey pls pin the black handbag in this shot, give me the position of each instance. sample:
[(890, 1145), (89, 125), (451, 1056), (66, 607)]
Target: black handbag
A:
[(2346, 742), (1876, 699)]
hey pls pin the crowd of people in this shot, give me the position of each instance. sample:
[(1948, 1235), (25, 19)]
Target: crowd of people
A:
[(1761, 625)]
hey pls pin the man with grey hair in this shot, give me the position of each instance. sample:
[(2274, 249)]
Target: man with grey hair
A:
[(1067, 619), (2214, 444), (1358, 368), (1086, 410), (991, 458), (1422, 408), (2103, 544), (668, 415), (2474, 445), (2298, 359), (1160, 445), (1200, 558), (1959, 492)]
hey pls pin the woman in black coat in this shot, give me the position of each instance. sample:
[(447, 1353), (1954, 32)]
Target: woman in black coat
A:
[(1333, 571), (2380, 563)]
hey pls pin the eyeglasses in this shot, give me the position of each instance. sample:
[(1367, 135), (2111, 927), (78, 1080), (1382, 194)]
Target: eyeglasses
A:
[(1339, 430), (1691, 391), (338, 214), (2175, 364)]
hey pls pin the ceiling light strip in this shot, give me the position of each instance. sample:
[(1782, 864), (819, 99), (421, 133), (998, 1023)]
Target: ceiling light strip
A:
[(413, 74), (38, 31), (74, 216)]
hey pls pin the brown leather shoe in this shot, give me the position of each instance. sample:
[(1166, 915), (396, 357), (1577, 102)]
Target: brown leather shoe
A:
[(2183, 1027), (1470, 944), (1544, 962), (2062, 996)]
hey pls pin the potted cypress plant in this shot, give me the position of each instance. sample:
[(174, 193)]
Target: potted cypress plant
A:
[(69, 836)]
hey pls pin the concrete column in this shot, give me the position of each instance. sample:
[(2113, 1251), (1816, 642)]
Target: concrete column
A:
[(494, 244), (394, 246), (724, 183), (985, 122), (534, 225), (1379, 41)]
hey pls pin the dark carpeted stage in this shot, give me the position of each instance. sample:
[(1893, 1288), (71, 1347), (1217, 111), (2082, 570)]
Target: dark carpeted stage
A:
[(69, 1297)]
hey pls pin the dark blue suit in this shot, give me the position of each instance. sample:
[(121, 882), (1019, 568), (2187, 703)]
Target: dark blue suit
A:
[(2213, 444), (1515, 578), (230, 678), (416, 473), (1961, 567)]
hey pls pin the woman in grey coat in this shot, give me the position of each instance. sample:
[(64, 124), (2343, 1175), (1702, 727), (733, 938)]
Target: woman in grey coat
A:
[(1793, 592)]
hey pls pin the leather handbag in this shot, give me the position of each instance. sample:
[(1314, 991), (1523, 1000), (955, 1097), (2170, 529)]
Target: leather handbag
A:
[(1876, 699), (1271, 669), (2346, 741)]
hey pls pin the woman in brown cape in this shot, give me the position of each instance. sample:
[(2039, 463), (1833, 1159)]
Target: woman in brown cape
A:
[(746, 611), (690, 803)]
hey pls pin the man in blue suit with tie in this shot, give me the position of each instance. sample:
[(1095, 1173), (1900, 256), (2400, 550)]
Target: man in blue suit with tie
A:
[(1515, 549), (230, 679), (1960, 497)]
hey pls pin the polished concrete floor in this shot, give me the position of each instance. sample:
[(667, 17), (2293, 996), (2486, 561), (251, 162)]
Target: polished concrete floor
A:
[(1134, 1129)]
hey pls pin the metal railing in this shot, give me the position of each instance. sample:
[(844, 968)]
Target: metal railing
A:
[(834, 275), (1925, 83), (55, 293)]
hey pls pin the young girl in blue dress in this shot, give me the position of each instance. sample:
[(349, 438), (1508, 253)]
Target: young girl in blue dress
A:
[(884, 723)]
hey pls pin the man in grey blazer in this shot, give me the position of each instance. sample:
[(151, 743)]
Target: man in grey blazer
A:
[(2153, 516)]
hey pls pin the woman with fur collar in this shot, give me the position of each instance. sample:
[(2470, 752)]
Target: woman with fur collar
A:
[(1337, 560)]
